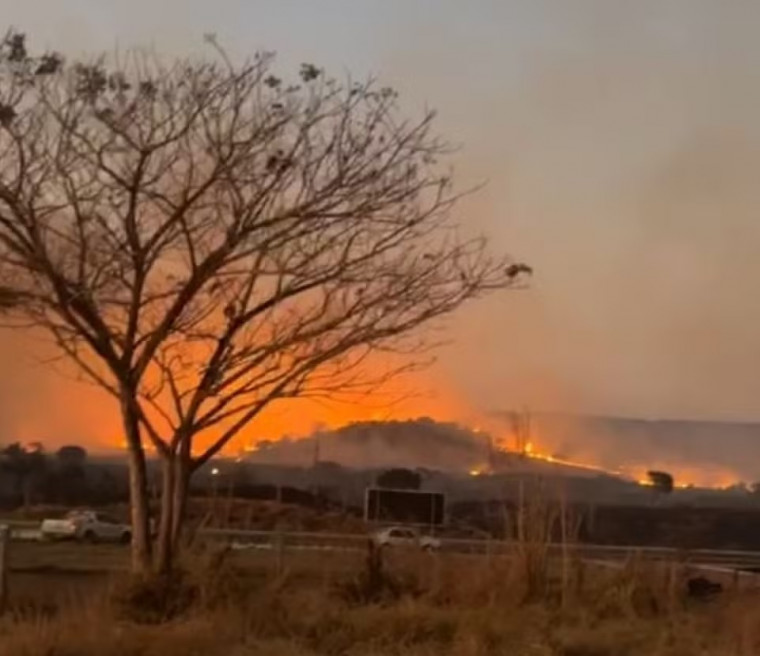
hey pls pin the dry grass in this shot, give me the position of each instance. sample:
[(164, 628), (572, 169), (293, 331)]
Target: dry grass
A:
[(420, 605), (342, 603)]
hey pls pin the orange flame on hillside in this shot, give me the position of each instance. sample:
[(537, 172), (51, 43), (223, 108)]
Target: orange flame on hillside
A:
[(684, 477), (83, 414)]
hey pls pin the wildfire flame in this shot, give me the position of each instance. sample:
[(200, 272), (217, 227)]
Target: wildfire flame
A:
[(99, 427), (684, 477), (282, 421)]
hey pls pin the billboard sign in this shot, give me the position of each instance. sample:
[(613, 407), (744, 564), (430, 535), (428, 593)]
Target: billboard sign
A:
[(404, 506)]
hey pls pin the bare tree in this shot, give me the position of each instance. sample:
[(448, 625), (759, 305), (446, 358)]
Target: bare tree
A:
[(202, 239)]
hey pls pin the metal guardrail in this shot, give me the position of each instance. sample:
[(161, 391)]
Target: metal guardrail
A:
[(501, 547), (351, 541)]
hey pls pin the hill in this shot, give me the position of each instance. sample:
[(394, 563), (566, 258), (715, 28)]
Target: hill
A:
[(710, 453), (421, 443)]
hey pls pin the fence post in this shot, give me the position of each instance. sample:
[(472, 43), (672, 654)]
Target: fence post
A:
[(5, 535), (279, 549)]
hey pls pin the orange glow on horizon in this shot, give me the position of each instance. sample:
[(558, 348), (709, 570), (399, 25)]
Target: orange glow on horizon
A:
[(685, 477), (301, 418), (56, 411)]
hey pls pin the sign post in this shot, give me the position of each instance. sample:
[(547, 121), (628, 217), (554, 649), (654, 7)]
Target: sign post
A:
[(5, 537)]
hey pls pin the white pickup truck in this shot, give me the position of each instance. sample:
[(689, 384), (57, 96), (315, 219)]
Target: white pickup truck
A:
[(86, 526), (403, 536)]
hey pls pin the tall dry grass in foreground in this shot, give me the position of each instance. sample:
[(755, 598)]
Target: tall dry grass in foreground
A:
[(534, 602), (400, 603)]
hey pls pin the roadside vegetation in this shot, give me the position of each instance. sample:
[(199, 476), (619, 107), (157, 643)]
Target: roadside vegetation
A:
[(81, 600), (396, 603)]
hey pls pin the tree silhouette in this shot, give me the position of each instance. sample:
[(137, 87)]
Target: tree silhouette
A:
[(28, 465), (73, 456), (67, 482), (400, 479), (202, 239), (662, 482)]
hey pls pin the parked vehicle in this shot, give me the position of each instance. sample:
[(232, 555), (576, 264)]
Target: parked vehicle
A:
[(403, 536), (86, 526)]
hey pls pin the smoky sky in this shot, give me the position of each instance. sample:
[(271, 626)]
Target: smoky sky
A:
[(621, 148), (619, 144)]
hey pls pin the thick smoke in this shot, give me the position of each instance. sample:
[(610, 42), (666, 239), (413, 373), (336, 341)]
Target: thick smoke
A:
[(706, 453), (377, 445), (624, 447), (621, 145)]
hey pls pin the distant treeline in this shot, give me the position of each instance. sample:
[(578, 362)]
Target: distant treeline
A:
[(31, 475)]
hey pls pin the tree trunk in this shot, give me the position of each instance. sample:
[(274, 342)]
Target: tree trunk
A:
[(174, 488), (166, 528), (138, 496), (138, 489), (181, 486)]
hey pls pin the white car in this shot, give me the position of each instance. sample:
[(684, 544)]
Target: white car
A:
[(402, 536), (87, 526)]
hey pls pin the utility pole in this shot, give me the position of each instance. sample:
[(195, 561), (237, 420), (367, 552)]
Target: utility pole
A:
[(316, 449)]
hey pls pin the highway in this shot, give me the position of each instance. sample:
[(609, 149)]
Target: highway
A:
[(724, 560)]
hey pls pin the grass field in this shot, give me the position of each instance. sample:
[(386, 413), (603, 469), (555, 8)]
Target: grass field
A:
[(74, 600)]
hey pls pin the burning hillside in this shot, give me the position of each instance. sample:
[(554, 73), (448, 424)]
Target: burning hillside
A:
[(549, 446), (378, 444), (422, 443), (698, 453)]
